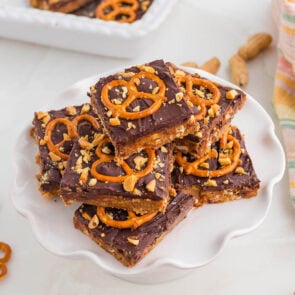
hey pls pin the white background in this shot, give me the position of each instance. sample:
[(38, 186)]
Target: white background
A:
[(262, 262)]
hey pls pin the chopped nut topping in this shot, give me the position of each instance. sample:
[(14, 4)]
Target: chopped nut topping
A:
[(179, 73), (42, 142), (155, 90), (92, 182), (137, 192), (85, 144), (164, 150), (44, 117), (115, 121), (181, 169), (158, 175), (139, 162), (204, 165), (147, 69), (93, 89), (106, 150), (130, 126), (171, 101), (94, 222), (136, 81), (85, 108), (199, 93), (151, 185), (179, 96), (241, 170), (199, 134), (230, 144), (133, 241), (231, 94), (129, 183), (145, 5), (84, 175), (189, 103), (109, 113), (172, 191), (125, 91), (116, 101), (54, 157), (71, 110), (210, 182), (127, 74), (136, 109), (206, 120), (226, 181), (224, 161)]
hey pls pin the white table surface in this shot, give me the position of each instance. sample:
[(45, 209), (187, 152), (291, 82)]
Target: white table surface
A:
[(262, 262)]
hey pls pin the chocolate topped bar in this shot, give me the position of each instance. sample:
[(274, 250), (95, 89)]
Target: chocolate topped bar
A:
[(140, 183), (219, 104), (225, 173), (123, 240), (65, 6), (143, 108), (55, 132)]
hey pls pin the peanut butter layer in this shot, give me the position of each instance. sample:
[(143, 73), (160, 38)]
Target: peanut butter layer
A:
[(217, 178), (140, 103), (65, 6), (130, 245), (55, 132), (94, 176)]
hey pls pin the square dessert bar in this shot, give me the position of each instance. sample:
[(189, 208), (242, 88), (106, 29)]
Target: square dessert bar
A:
[(129, 238), (226, 173), (140, 183), (143, 108), (55, 132), (59, 5), (219, 105)]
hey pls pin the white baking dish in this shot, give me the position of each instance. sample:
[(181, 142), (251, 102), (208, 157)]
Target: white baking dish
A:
[(19, 21)]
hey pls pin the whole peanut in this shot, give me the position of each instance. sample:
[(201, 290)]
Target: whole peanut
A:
[(255, 45), (238, 70), (211, 66)]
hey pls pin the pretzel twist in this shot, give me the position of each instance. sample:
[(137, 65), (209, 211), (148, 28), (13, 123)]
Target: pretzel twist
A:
[(190, 82), (133, 94), (132, 222), (193, 167), (5, 248), (112, 9), (104, 158), (72, 132)]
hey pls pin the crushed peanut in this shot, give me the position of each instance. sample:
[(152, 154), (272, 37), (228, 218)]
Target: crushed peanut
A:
[(129, 183), (210, 182), (231, 94), (179, 96), (115, 121), (139, 162), (151, 185), (92, 182), (71, 110), (240, 170), (133, 241), (54, 157), (85, 108)]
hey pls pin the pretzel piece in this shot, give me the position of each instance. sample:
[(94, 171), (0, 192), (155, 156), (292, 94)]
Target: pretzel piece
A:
[(5, 248), (120, 110), (103, 158), (132, 222), (114, 10)]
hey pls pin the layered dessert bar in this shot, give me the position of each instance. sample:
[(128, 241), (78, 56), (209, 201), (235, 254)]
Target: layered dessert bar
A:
[(143, 107), (140, 183), (65, 6), (226, 173), (219, 104), (126, 236), (55, 132)]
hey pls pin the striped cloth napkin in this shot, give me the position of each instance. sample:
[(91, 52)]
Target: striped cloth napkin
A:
[(284, 89)]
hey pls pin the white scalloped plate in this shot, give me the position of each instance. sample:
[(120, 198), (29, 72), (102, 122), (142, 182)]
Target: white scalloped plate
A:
[(21, 22), (193, 243)]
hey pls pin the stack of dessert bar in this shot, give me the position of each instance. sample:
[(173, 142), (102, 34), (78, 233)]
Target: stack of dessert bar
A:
[(154, 142)]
